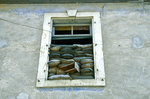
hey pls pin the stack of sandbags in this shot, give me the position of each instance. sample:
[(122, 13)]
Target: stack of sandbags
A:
[(62, 67), (71, 62)]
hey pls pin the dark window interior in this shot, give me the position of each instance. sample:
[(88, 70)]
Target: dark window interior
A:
[(72, 41), (62, 30), (66, 30), (81, 30), (69, 40)]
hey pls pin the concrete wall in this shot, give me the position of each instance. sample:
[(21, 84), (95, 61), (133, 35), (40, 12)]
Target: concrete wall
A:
[(126, 46)]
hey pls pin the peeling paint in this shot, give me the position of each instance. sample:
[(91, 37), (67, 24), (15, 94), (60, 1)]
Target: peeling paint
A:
[(3, 43), (22, 96), (70, 89), (137, 42)]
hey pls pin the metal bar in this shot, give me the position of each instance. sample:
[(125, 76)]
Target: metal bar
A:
[(72, 30), (71, 24), (72, 35), (65, 38)]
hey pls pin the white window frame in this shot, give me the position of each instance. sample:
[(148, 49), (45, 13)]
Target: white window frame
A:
[(99, 79)]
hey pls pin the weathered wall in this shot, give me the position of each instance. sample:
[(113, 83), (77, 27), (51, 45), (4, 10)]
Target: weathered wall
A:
[(66, 1), (126, 46)]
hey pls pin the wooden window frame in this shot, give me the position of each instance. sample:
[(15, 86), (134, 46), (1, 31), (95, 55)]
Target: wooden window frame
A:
[(99, 79)]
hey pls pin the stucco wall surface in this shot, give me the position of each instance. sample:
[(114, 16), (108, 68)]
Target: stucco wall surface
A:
[(126, 47)]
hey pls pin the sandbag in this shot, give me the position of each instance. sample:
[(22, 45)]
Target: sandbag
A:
[(88, 65), (58, 77), (54, 62), (84, 61)]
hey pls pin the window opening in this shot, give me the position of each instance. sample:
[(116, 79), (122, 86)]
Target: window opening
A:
[(81, 30), (71, 52), (62, 30)]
